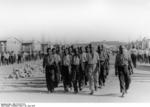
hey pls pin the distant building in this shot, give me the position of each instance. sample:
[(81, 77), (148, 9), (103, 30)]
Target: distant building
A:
[(44, 47), (37, 46), (10, 44), (146, 43), (27, 47), (13, 44)]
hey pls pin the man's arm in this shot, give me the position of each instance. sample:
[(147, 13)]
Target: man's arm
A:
[(116, 66), (130, 61), (44, 61)]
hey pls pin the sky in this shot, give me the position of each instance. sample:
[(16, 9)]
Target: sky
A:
[(75, 20)]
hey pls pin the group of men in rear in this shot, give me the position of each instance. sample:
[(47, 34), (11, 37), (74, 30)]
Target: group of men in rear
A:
[(76, 67)]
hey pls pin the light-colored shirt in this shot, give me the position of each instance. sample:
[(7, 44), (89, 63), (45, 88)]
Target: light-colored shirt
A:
[(66, 60), (102, 55), (146, 52), (92, 59), (140, 52), (83, 57), (57, 58), (76, 60), (133, 51), (6, 55)]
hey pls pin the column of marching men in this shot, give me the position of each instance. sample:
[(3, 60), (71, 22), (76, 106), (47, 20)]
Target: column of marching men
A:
[(10, 57), (76, 67), (140, 55)]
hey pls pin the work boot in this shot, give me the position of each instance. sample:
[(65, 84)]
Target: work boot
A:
[(66, 90), (92, 92), (80, 89), (100, 86), (51, 90), (123, 94), (76, 91)]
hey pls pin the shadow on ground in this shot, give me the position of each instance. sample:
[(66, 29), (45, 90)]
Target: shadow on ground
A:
[(143, 67), (142, 76), (38, 85)]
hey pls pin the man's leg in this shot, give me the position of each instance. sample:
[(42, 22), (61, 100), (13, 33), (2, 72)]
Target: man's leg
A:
[(127, 80), (91, 80), (52, 80), (47, 78), (122, 81)]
